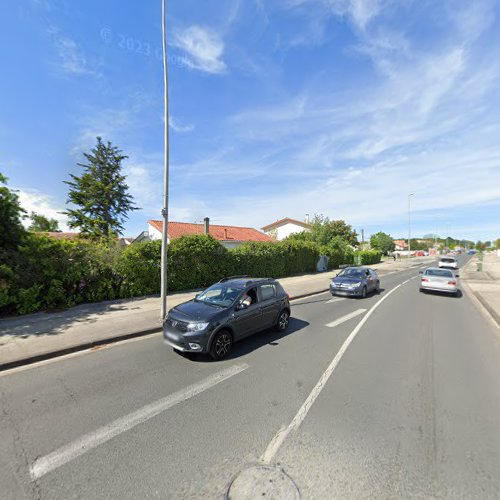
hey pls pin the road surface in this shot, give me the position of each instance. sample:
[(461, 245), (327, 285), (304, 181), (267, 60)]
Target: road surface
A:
[(410, 408)]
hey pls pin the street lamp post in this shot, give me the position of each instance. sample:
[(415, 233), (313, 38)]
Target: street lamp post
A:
[(409, 227), (164, 211)]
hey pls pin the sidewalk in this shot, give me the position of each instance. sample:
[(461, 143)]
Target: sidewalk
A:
[(484, 282), (32, 337)]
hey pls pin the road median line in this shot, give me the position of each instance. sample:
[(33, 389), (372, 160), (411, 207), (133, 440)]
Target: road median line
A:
[(87, 442), (283, 433)]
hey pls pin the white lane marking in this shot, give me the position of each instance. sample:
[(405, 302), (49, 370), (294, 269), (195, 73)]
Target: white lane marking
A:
[(282, 434), (404, 282), (336, 299), (345, 318), (89, 441)]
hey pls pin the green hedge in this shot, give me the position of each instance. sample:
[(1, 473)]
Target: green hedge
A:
[(366, 257), (48, 274), (339, 252)]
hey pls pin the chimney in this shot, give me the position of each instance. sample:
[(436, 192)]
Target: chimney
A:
[(307, 218), (225, 233), (206, 220)]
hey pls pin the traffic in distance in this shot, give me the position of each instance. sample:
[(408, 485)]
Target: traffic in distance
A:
[(239, 306)]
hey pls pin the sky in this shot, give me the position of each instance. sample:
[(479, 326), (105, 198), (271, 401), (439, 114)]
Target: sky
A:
[(278, 108)]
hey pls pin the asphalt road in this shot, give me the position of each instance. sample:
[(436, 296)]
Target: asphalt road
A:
[(410, 409)]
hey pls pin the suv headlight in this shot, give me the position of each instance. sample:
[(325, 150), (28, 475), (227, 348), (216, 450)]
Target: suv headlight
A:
[(196, 327)]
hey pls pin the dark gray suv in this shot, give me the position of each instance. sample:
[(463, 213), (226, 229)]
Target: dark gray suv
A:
[(228, 311)]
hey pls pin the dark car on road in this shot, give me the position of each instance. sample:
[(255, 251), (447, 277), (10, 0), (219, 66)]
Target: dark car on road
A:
[(355, 282), (226, 312)]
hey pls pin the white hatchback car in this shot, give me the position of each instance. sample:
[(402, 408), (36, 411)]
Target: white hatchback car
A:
[(435, 279), (448, 262)]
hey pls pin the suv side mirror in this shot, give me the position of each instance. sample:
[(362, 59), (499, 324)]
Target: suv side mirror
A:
[(240, 306)]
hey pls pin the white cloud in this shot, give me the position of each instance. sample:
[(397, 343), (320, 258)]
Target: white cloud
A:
[(176, 126), (145, 181), (33, 200), (107, 123), (204, 48), (71, 57)]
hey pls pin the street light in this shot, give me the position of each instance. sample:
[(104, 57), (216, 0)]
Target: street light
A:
[(409, 227), (164, 211)]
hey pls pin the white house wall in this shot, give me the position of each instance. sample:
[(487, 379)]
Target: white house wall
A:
[(154, 234), (287, 229)]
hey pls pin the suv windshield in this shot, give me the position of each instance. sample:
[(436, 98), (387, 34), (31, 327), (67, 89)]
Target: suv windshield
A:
[(219, 295), (351, 273)]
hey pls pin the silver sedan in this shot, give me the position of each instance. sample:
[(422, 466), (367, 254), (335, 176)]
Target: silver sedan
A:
[(439, 280)]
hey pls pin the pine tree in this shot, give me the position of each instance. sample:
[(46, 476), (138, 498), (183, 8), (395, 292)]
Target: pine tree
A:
[(100, 195), (11, 215), (41, 223)]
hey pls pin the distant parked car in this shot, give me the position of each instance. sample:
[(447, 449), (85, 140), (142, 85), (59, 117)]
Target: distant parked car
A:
[(436, 279), (355, 282), (448, 262), (228, 311)]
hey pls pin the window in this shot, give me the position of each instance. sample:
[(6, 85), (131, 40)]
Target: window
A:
[(267, 291), (219, 294), (442, 273)]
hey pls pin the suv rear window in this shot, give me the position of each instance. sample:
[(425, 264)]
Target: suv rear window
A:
[(447, 259), (267, 291)]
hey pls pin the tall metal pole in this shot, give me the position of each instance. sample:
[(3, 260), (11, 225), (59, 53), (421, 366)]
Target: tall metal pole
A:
[(409, 228), (164, 211)]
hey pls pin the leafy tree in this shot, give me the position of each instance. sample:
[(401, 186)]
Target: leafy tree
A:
[(11, 215), (324, 230), (480, 246), (497, 243), (40, 223), (487, 244), (383, 242), (100, 194)]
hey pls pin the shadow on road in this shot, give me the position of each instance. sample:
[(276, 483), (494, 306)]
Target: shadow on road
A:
[(56, 322), (252, 343), (459, 294)]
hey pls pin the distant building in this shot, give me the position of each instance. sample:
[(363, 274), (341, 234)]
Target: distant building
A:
[(400, 245), (229, 236), (280, 229)]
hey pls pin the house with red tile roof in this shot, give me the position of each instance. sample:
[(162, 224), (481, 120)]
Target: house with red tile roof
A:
[(59, 235), (229, 236), (400, 245), (282, 228)]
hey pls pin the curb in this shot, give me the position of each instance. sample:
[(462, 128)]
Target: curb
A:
[(482, 305), (96, 343), (80, 347)]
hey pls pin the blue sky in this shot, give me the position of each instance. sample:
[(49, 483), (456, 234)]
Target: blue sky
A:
[(278, 108)]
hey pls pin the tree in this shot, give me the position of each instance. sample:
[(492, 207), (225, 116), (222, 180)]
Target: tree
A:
[(383, 242), (497, 243), (100, 194), (323, 230), (40, 223), (11, 215), (480, 246)]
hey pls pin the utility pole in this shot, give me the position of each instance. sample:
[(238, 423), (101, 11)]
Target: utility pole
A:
[(164, 211), (409, 227)]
